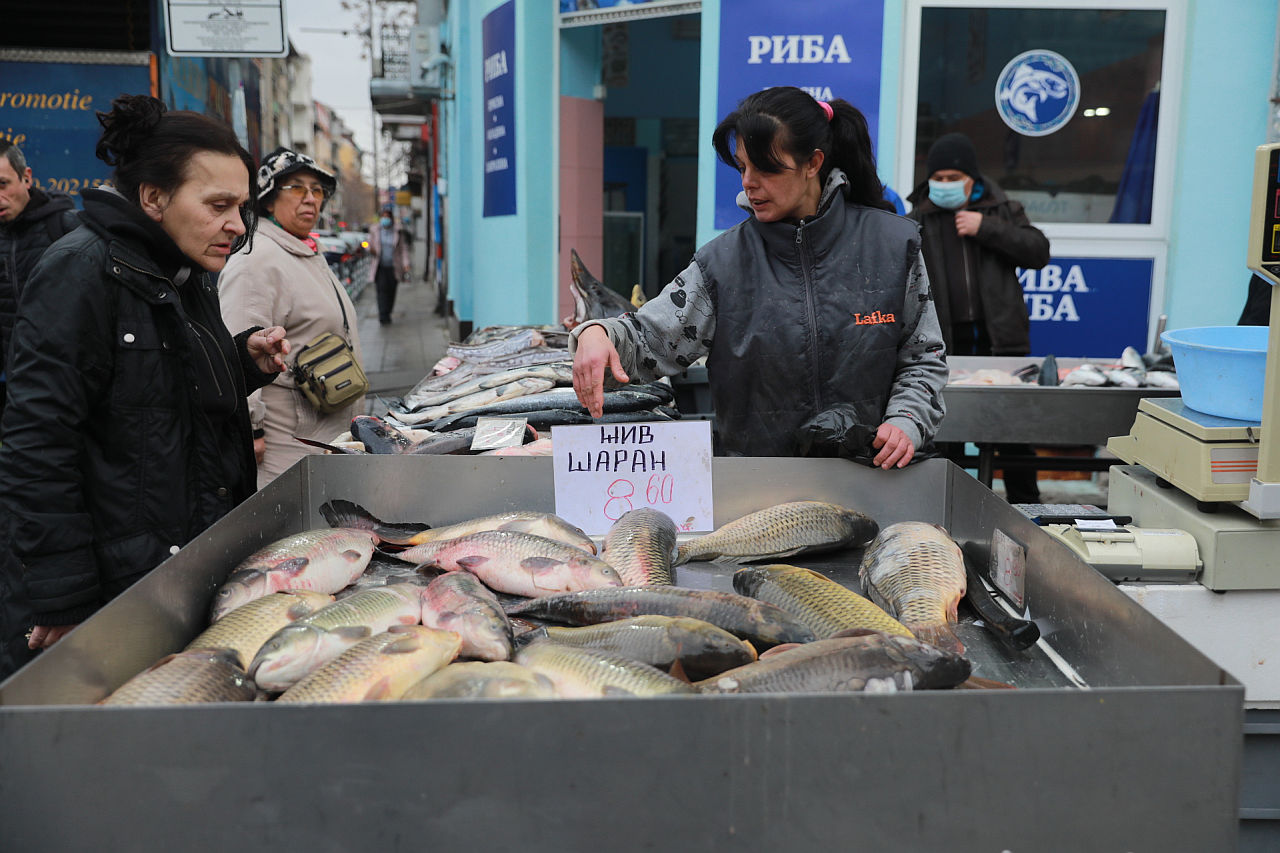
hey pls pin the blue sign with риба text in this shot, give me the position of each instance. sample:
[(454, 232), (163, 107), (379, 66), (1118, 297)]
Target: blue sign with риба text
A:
[(830, 48), (49, 110), (499, 67), (1088, 307)]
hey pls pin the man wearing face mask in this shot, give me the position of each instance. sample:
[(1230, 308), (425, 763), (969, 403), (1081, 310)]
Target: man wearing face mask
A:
[(973, 237), (389, 247)]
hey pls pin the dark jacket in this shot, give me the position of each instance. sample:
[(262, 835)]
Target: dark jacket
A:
[(46, 217), (1006, 240), (127, 430)]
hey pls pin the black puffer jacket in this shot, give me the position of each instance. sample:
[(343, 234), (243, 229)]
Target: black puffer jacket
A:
[(46, 217), (127, 430), (1006, 240)]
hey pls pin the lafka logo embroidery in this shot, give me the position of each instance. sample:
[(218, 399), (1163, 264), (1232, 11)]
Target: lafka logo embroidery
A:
[(875, 318), (1037, 92)]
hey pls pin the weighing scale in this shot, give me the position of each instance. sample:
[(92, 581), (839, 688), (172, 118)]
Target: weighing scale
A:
[(1217, 478)]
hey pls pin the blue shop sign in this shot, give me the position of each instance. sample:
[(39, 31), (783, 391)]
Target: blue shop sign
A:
[(499, 67), (830, 48), (1088, 307), (49, 110)]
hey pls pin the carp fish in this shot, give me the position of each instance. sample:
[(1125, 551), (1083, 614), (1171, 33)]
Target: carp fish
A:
[(516, 563), (872, 662), (320, 560), (458, 601), (542, 524), (641, 545), (702, 649), (589, 674), (744, 617), (379, 669), (188, 677), (246, 628), (915, 571), (816, 600), (483, 680), (782, 531), (309, 643)]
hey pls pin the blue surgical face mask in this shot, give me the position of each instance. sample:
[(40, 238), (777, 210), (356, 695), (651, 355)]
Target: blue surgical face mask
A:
[(386, 222), (947, 194)]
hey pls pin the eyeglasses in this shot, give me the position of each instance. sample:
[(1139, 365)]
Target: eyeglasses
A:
[(299, 191)]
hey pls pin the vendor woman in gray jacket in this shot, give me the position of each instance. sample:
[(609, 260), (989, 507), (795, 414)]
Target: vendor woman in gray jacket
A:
[(814, 313)]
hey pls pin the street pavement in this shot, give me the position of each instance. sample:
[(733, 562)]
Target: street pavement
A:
[(398, 355)]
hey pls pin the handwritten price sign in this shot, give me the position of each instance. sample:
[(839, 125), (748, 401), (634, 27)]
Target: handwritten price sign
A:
[(603, 471)]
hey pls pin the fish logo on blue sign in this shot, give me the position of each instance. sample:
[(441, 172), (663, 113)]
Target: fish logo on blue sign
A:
[(1037, 92)]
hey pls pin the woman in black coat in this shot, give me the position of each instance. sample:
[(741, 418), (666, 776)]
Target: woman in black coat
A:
[(127, 430)]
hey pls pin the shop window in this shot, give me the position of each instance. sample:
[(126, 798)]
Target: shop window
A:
[(1061, 104)]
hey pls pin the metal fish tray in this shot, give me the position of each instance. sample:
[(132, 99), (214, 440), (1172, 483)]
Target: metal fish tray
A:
[(1144, 756)]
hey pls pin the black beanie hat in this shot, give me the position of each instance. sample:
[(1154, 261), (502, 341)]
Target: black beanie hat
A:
[(953, 151)]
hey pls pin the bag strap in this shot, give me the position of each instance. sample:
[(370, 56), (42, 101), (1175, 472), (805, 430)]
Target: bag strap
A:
[(346, 328)]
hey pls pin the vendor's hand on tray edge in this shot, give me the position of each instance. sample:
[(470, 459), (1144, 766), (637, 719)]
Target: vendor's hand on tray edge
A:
[(896, 450), (42, 636), (595, 354)]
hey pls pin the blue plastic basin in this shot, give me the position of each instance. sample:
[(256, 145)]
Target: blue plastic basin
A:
[(1221, 369)]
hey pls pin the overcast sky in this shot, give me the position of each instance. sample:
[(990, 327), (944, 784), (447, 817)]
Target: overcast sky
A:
[(339, 77)]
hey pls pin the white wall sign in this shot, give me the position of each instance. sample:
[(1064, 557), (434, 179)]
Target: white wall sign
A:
[(226, 28), (604, 470)]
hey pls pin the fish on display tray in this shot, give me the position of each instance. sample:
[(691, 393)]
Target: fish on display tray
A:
[(379, 669), (782, 530), (916, 572)]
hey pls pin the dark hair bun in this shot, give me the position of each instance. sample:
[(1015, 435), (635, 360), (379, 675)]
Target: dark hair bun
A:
[(132, 119)]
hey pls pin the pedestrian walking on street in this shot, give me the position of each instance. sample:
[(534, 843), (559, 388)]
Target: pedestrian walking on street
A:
[(31, 220), (814, 313), (284, 280), (127, 430), (390, 247)]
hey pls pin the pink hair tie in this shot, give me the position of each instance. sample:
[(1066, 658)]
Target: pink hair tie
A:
[(826, 108)]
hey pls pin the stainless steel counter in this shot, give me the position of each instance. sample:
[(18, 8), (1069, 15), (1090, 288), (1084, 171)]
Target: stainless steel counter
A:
[(1147, 757)]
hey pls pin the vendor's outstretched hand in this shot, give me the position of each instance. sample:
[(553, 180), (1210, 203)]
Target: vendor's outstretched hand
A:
[(894, 449), (594, 355), (267, 348)]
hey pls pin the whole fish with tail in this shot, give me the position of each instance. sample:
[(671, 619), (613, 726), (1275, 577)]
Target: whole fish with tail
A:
[(379, 669), (478, 401), (702, 649), (542, 524), (588, 674), (516, 563), (548, 418), (307, 644), (558, 372), (872, 662), (744, 617), (780, 531), (816, 600), (320, 560), (641, 545), (915, 571)]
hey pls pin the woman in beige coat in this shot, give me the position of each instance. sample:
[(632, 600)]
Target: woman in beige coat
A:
[(285, 281)]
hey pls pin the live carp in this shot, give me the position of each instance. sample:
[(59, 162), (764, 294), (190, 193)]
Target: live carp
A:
[(246, 628), (744, 617), (379, 669), (541, 524), (516, 563), (873, 662), (482, 680), (319, 560), (193, 676), (457, 601), (588, 674), (816, 600), (309, 643), (916, 572), (781, 531), (701, 648), (641, 545)]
